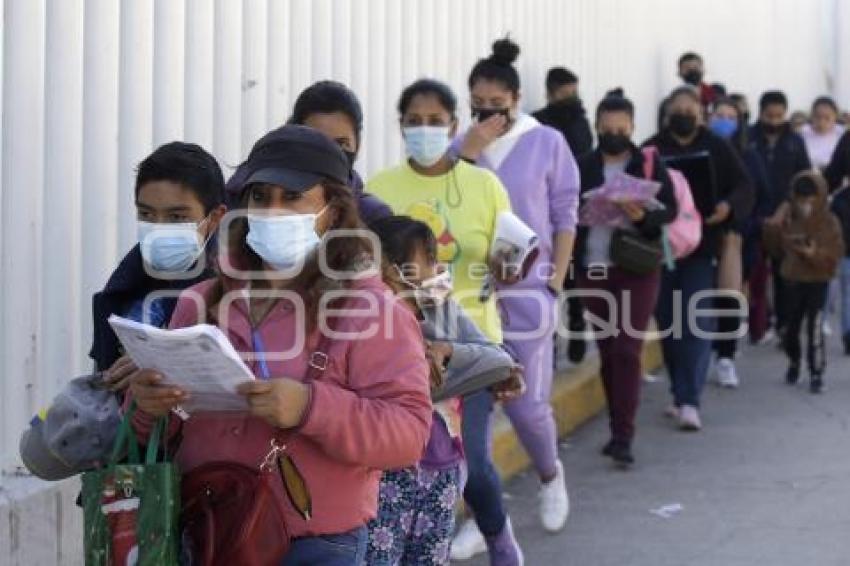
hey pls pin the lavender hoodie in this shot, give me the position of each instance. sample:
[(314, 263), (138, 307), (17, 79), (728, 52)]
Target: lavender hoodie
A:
[(542, 180)]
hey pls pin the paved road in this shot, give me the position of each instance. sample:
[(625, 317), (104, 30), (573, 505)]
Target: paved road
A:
[(767, 482)]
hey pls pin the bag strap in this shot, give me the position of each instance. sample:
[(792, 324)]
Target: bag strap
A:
[(318, 359), (649, 152), (669, 261), (153, 443), (125, 435)]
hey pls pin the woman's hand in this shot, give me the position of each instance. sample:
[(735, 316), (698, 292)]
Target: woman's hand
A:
[(720, 214), (780, 216), (117, 377), (511, 388), (280, 402), (633, 210), (502, 271), (151, 396), (482, 134)]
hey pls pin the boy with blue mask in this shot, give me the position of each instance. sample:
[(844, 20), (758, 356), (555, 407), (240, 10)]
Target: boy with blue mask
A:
[(180, 195)]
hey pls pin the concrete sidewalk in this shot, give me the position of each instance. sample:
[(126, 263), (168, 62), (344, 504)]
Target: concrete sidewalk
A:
[(766, 483), (577, 396)]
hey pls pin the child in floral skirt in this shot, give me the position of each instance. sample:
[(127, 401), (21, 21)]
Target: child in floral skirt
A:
[(416, 508)]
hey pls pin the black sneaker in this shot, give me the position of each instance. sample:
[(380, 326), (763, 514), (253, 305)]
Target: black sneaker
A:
[(847, 344), (608, 449), (792, 376), (816, 385), (576, 349), (621, 453)]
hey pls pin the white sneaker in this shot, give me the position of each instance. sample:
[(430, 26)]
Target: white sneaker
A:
[(827, 328), (726, 374), (769, 337), (554, 501), (689, 418), (467, 542)]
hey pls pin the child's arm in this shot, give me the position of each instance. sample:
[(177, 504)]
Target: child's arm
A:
[(472, 353)]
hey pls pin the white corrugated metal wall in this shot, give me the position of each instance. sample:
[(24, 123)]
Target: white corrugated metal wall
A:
[(91, 86)]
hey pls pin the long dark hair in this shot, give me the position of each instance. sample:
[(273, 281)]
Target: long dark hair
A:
[(346, 253)]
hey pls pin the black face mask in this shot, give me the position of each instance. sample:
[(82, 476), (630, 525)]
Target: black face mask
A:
[(351, 156), (481, 114), (571, 100), (683, 125), (693, 77), (614, 144), (771, 129)]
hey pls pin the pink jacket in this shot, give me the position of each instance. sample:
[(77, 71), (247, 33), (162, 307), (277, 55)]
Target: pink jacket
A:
[(370, 409)]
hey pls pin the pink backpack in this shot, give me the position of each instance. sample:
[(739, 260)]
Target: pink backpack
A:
[(682, 236)]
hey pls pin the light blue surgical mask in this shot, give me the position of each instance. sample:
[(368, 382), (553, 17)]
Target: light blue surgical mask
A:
[(283, 241), (426, 144), (723, 127), (170, 248)]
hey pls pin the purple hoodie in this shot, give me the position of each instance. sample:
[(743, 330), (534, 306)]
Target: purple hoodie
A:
[(542, 180)]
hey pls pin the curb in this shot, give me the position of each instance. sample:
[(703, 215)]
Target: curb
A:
[(577, 396)]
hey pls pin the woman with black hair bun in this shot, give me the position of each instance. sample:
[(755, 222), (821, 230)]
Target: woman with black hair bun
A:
[(539, 172)]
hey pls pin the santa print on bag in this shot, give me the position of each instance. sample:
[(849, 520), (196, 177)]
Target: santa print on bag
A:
[(120, 505)]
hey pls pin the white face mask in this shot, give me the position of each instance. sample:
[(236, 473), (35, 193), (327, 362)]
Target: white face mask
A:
[(431, 292), (170, 248), (283, 241), (426, 145)]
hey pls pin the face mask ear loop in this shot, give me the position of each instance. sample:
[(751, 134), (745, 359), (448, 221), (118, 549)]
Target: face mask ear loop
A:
[(209, 234), (318, 214), (451, 182)]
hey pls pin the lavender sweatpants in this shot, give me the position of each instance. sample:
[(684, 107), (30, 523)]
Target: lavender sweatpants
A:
[(529, 320)]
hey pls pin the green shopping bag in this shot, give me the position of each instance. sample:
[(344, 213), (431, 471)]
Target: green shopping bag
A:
[(131, 511)]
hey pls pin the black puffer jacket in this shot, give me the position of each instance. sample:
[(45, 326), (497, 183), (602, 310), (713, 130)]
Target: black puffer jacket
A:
[(569, 118)]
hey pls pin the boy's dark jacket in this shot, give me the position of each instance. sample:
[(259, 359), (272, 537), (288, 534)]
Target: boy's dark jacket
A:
[(821, 228), (127, 284)]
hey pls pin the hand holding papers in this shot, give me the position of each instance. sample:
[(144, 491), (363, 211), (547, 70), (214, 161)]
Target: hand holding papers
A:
[(602, 205), (198, 359), (514, 249)]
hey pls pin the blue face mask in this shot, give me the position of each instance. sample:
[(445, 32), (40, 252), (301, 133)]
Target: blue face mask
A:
[(283, 241), (426, 144), (170, 248), (723, 127)]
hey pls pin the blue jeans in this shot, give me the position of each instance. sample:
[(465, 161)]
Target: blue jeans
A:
[(483, 491), (686, 356), (343, 549), (845, 296)]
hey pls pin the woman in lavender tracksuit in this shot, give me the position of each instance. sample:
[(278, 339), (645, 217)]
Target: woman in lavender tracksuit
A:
[(541, 177)]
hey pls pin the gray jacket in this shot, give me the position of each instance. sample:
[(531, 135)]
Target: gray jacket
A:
[(476, 362)]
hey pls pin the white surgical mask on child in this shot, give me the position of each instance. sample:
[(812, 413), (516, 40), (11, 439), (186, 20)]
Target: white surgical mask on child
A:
[(170, 248), (431, 292), (283, 241), (426, 144)]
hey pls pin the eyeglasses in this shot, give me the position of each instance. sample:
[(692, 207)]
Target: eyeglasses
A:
[(293, 480)]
